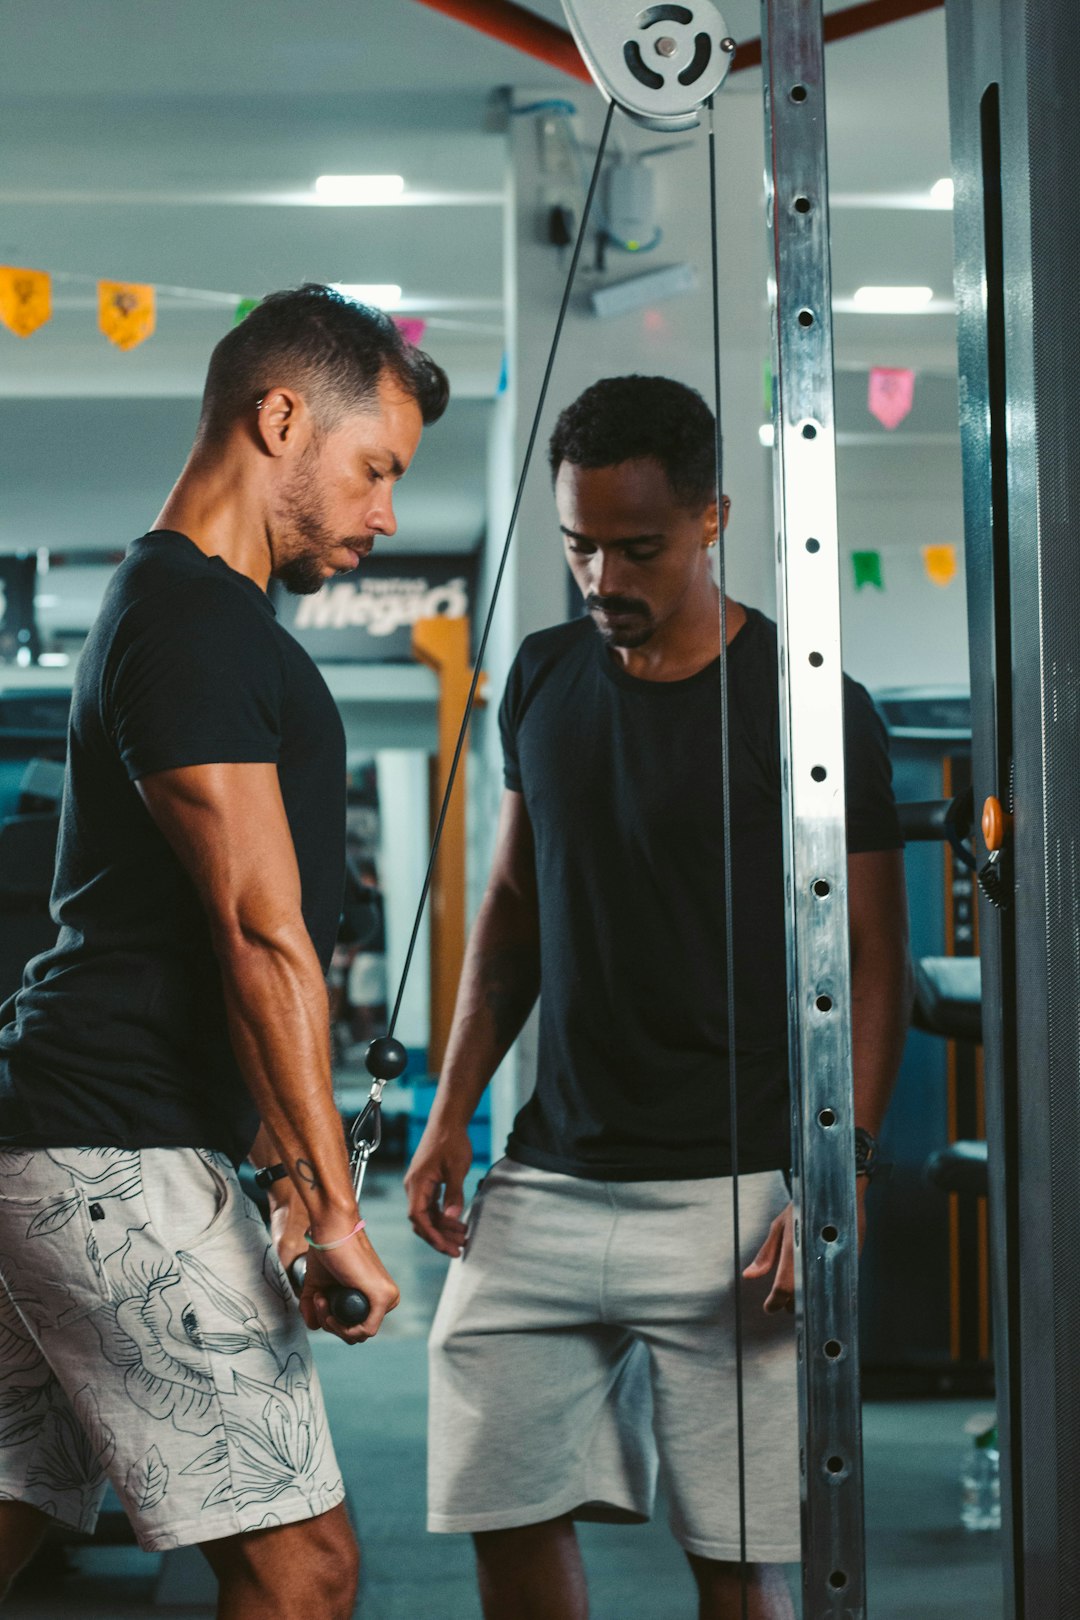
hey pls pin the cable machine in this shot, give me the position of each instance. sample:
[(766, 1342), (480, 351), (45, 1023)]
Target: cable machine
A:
[(1014, 66)]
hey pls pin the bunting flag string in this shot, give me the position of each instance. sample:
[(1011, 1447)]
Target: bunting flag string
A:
[(127, 310), (941, 564)]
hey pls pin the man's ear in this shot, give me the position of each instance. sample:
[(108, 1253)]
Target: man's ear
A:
[(711, 523), (279, 415)]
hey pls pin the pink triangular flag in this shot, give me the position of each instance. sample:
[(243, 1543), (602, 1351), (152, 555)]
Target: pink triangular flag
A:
[(892, 394), (411, 328)]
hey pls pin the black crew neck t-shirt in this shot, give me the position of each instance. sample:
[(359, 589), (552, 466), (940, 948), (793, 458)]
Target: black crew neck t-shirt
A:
[(118, 1036), (622, 781)]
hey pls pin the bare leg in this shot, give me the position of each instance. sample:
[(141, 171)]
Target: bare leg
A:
[(720, 1591), (310, 1568), (22, 1528), (534, 1573)]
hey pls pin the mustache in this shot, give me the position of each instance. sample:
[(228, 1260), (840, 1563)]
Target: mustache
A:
[(616, 604)]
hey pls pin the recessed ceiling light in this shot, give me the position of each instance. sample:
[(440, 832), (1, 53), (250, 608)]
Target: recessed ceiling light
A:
[(383, 294), (941, 193), (359, 188), (892, 300)]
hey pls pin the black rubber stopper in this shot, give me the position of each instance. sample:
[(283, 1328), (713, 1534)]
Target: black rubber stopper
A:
[(347, 1305), (386, 1058)]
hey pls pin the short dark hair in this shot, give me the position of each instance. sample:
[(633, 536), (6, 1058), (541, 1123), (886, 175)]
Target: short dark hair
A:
[(631, 418), (329, 347)]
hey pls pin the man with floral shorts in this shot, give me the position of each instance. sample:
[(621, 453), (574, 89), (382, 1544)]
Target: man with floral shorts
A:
[(148, 1333)]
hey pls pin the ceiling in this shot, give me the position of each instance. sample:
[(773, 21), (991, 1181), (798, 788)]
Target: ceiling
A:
[(178, 144)]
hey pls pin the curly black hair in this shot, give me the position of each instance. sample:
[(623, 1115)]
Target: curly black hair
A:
[(329, 347), (631, 418)]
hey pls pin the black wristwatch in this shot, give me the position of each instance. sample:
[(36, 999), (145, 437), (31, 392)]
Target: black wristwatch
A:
[(867, 1154), (269, 1174)]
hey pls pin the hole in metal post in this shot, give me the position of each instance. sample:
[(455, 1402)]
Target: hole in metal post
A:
[(819, 773), (835, 1465), (816, 660), (826, 1118), (830, 1234), (822, 888), (806, 317), (802, 205), (833, 1348), (813, 547), (809, 430), (823, 1003), (798, 92), (838, 1580)]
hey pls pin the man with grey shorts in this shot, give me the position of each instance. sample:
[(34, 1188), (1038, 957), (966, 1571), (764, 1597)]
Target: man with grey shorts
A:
[(586, 1334), (148, 1333)]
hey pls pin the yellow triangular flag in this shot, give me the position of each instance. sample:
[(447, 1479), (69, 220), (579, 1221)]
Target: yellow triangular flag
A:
[(126, 312), (25, 299), (940, 563)]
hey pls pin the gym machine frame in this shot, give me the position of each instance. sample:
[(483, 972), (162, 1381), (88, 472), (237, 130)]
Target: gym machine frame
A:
[(812, 742)]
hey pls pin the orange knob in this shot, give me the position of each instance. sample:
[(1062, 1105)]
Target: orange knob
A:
[(996, 824)]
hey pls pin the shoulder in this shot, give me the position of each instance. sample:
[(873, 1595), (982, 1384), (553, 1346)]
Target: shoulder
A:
[(548, 652), (546, 648), (544, 659)]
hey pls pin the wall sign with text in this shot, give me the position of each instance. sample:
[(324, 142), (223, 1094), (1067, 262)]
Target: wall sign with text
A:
[(368, 615)]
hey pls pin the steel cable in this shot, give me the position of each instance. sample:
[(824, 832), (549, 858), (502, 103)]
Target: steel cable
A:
[(470, 701), (729, 908)]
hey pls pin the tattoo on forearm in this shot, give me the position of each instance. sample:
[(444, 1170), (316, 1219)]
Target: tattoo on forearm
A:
[(306, 1171), (510, 978)]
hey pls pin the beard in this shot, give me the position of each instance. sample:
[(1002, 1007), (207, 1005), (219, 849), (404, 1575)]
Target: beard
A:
[(307, 538), (636, 627)]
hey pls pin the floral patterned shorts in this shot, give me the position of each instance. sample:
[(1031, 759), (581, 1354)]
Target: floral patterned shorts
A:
[(149, 1336)]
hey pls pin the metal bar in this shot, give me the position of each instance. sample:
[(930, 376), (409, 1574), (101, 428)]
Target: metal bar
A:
[(815, 841), (975, 69)]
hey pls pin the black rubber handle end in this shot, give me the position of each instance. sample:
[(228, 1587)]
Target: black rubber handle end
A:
[(347, 1305)]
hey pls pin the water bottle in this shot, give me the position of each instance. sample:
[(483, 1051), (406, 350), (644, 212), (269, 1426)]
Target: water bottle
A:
[(980, 1479)]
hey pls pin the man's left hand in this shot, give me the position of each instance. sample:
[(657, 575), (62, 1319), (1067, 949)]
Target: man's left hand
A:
[(777, 1253)]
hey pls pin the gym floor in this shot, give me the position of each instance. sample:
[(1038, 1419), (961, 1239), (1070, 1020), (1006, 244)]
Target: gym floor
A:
[(921, 1562)]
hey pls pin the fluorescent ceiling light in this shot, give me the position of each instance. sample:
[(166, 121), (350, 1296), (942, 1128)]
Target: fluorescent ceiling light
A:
[(383, 294), (892, 300), (766, 435), (359, 188), (941, 193)]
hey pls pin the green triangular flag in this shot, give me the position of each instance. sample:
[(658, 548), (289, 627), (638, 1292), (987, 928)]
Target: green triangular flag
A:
[(244, 309), (867, 567)]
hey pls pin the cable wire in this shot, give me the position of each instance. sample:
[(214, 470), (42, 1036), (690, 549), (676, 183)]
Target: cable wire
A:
[(470, 700), (729, 928)]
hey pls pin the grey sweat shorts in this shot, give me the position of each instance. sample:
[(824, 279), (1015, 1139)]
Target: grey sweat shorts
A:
[(587, 1335), (149, 1336)]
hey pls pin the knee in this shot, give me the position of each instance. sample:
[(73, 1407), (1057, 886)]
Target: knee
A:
[(332, 1566)]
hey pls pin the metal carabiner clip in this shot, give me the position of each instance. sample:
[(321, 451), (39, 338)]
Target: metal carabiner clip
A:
[(365, 1138)]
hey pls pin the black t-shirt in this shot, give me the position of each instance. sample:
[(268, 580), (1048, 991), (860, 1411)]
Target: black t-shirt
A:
[(118, 1036), (622, 781)]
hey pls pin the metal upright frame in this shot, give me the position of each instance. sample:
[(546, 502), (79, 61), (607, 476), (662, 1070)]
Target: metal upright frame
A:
[(815, 852), (1013, 67)]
